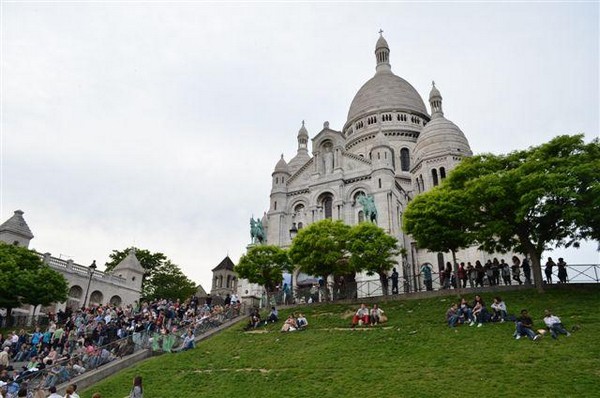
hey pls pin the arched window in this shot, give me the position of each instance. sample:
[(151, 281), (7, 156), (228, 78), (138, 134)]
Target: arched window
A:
[(434, 177), (404, 159), (115, 300), (299, 208), (442, 173), (97, 297), (361, 216), (326, 201), (300, 225)]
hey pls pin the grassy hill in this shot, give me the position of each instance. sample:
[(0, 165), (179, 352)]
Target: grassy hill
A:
[(413, 355)]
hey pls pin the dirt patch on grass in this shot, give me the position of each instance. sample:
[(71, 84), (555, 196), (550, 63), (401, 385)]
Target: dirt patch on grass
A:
[(259, 370), (257, 331)]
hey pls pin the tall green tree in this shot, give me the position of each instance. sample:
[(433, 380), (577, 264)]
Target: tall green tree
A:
[(264, 265), (528, 200), (162, 278), (169, 282), (25, 279), (372, 250), (439, 221), (321, 249)]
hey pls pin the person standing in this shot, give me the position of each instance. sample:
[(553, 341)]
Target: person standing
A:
[(394, 279), (472, 274), (427, 280), (562, 270), (526, 270), (137, 391), (462, 276), (516, 269), (548, 270)]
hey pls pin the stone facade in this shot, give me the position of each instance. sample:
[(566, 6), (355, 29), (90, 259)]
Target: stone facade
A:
[(122, 287), (390, 148)]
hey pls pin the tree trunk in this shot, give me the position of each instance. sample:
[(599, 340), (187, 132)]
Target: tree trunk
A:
[(455, 267), (383, 278), (536, 266)]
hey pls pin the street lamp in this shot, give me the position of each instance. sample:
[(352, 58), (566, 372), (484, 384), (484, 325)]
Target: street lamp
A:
[(92, 268), (293, 231)]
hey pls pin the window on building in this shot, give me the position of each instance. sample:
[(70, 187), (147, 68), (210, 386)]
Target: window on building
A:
[(361, 216), (434, 177), (404, 159), (326, 200), (442, 173)]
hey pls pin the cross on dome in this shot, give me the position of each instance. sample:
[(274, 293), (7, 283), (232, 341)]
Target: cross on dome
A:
[(381, 32)]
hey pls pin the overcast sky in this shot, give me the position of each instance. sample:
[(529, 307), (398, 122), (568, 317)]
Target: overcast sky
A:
[(159, 124)]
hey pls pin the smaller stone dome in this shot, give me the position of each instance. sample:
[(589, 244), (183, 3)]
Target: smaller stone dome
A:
[(441, 137), (281, 166), (381, 43), (434, 93), (302, 132)]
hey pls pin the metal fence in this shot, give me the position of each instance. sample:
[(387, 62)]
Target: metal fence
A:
[(577, 273)]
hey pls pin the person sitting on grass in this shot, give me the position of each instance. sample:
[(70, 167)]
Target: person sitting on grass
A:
[(524, 327), (499, 308), (480, 312), (361, 317), (375, 315), (301, 321), (189, 341), (465, 312), (554, 325), (273, 316), (452, 317), (290, 324)]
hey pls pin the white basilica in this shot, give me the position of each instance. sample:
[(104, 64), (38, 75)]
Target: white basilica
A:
[(390, 148)]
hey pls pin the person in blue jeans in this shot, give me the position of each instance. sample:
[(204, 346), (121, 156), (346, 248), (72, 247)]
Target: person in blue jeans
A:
[(554, 325), (524, 327), (452, 316)]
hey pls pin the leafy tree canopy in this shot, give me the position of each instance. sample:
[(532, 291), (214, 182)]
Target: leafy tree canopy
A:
[(321, 248), (438, 220), (168, 281), (162, 279), (371, 249), (525, 201), (264, 265), (25, 279)]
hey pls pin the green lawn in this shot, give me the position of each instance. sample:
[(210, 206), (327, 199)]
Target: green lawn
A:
[(415, 354)]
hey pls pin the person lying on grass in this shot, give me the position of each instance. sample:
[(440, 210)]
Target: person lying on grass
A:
[(554, 325)]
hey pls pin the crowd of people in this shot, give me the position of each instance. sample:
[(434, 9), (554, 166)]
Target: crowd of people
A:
[(493, 273), (76, 341), (476, 313)]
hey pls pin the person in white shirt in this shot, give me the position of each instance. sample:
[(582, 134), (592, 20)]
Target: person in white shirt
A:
[(499, 308), (554, 325), (53, 393)]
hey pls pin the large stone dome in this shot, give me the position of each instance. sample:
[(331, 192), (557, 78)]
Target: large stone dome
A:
[(386, 91), (441, 137)]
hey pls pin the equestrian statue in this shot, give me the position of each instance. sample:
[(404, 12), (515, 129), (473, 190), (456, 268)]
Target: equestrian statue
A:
[(257, 232), (368, 204)]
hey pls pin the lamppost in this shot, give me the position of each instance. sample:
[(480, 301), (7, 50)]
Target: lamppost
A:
[(293, 233), (92, 268)]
